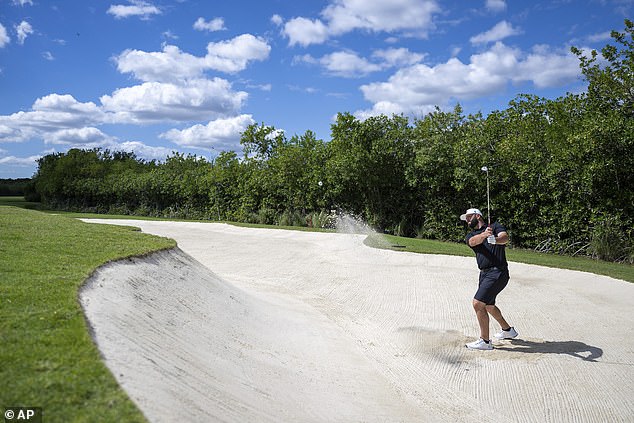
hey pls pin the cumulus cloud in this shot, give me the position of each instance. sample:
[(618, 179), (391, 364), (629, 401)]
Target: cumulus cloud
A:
[(378, 15), (599, 37), (349, 64), (4, 37), (233, 55), (419, 88), (304, 32), (277, 20), (219, 134), (173, 89), (136, 8), (172, 64), (49, 113), (198, 99), (495, 5), (23, 30), (62, 119), (409, 17), (76, 136), (216, 24), (497, 33), (547, 69), (20, 161), (344, 63), (169, 65), (397, 57)]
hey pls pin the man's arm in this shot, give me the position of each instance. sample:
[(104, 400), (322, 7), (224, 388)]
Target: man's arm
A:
[(502, 238), (480, 238)]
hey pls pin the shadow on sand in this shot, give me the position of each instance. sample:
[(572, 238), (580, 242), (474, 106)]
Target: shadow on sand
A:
[(572, 348)]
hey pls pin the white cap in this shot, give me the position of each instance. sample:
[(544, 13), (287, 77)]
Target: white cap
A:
[(470, 211)]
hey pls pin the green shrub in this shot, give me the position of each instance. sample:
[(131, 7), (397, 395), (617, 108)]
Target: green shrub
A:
[(291, 218), (609, 242)]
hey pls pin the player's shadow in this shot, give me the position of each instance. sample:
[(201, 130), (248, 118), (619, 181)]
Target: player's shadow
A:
[(572, 348)]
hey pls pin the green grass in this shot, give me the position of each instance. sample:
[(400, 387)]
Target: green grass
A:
[(18, 202), (425, 246), (47, 357)]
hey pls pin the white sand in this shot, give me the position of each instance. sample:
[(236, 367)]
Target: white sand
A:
[(259, 325)]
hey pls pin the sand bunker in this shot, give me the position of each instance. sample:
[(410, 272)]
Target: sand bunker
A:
[(270, 325)]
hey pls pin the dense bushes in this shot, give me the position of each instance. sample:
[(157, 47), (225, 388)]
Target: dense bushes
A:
[(14, 187), (562, 171)]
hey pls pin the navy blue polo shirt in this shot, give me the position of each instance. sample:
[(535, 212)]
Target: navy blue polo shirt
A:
[(488, 255)]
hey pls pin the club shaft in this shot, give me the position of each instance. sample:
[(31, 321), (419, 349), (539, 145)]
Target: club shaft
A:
[(488, 199)]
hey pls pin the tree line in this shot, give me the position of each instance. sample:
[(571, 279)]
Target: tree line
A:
[(561, 171), (13, 187)]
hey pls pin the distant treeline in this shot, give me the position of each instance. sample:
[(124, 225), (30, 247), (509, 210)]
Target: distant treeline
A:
[(562, 171), (13, 187)]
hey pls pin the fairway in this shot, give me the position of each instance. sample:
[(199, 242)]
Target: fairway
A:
[(244, 324)]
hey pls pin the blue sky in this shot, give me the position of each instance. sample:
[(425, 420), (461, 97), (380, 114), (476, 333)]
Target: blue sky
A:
[(156, 76)]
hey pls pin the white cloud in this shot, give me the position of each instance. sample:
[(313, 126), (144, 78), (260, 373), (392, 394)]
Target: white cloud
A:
[(398, 57), (261, 87), (378, 15), (277, 20), (23, 2), (50, 113), (599, 37), (495, 5), (216, 24), (304, 32), (48, 56), (419, 88), (62, 119), (172, 65), (409, 17), (349, 64), (547, 69), (76, 136), (500, 31), (10, 132), (20, 161), (219, 134), (197, 99), (4, 37), (137, 8), (170, 35), (233, 55), (23, 30)]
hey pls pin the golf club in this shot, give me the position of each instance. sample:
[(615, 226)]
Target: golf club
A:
[(486, 169), (490, 238)]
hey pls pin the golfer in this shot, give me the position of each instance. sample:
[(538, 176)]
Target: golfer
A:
[(489, 244)]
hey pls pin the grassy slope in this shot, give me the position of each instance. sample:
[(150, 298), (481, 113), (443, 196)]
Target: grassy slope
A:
[(48, 358), (585, 264)]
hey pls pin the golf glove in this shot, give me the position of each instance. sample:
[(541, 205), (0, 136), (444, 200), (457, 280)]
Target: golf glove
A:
[(491, 239)]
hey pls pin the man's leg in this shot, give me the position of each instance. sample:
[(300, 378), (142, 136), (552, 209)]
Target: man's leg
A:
[(497, 315), (483, 318)]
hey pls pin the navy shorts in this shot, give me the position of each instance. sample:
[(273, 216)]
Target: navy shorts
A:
[(492, 282)]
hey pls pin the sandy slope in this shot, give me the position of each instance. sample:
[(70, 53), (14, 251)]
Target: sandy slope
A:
[(269, 325)]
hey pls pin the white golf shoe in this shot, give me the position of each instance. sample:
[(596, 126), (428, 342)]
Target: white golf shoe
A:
[(506, 334), (479, 345)]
